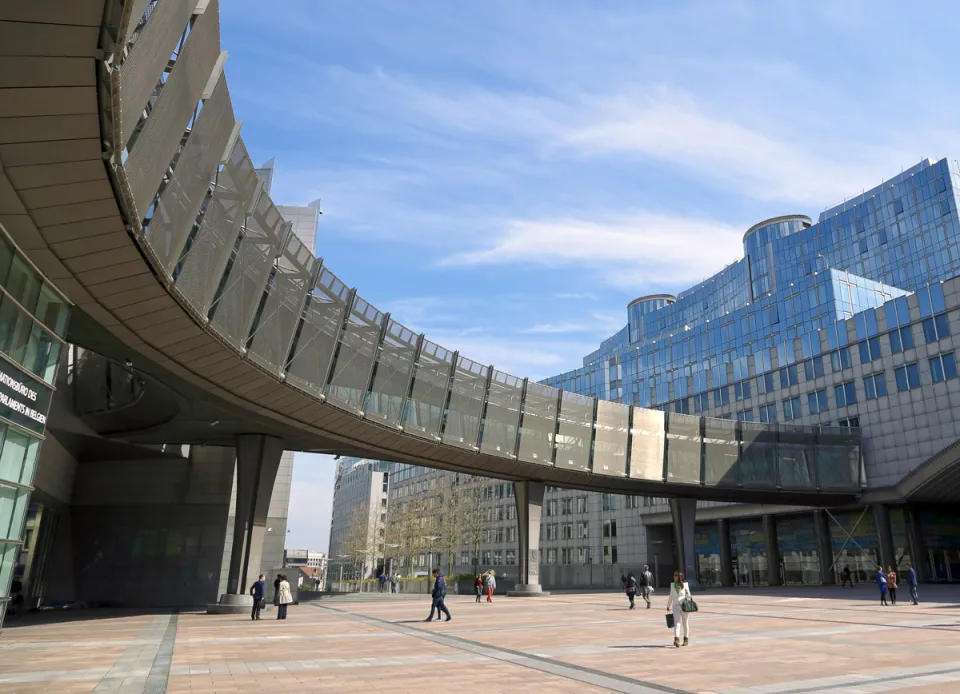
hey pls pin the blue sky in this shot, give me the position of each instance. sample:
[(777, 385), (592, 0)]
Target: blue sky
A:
[(506, 176)]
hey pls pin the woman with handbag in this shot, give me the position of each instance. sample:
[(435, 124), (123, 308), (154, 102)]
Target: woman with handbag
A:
[(681, 603)]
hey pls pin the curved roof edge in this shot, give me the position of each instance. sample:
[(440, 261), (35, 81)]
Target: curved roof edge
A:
[(649, 297), (774, 220)]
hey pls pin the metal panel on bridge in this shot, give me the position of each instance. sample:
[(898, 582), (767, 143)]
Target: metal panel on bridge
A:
[(502, 415), (575, 431), (424, 411), (610, 444), (539, 424), (391, 378), (353, 362), (461, 425), (317, 333)]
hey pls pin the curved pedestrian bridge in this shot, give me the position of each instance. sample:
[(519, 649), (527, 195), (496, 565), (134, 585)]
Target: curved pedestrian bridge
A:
[(125, 179)]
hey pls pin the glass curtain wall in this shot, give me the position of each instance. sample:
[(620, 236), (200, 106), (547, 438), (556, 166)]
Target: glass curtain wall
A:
[(33, 321)]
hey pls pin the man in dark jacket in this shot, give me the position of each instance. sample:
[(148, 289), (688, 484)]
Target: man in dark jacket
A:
[(256, 590), (438, 594), (912, 584)]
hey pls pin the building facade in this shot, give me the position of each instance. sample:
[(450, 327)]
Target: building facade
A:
[(359, 518), (849, 321), (33, 321)]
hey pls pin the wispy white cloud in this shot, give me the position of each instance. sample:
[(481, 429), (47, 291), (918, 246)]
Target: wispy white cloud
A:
[(631, 251), (554, 328)]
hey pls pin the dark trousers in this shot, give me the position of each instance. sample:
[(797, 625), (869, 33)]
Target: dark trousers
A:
[(893, 595), (281, 611), (846, 581), (255, 614), (883, 596), (439, 606), (631, 596), (479, 594)]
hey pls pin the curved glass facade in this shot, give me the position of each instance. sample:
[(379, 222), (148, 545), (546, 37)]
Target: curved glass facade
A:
[(33, 321), (725, 340)]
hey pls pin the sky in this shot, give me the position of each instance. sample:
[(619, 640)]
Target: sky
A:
[(506, 176)]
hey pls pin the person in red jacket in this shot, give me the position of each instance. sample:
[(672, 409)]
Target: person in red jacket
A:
[(478, 587)]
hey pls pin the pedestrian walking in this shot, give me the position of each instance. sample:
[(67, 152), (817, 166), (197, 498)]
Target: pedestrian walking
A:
[(892, 585), (438, 594), (681, 603), (490, 582), (383, 581), (394, 581), (631, 588), (276, 590), (912, 584), (478, 586), (881, 579), (646, 584), (256, 592), (846, 577), (284, 596)]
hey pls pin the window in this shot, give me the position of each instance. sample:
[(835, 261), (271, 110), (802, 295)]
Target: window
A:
[(901, 339), (610, 528), (634, 501), (609, 502), (583, 530), (583, 555), (552, 507), (721, 396), (566, 531), (869, 350), (742, 390), (875, 386), (551, 556), (565, 555), (745, 416), (765, 383), (768, 413), (936, 328), (851, 423), (813, 368), (788, 376), (907, 377), (840, 359), (511, 557), (566, 507), (943, 367), (817, 402), (845, 393), (552, 531), (581, 504), (791, 409)]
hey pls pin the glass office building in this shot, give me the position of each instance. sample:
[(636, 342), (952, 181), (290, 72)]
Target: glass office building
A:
[(796, 278), (33, 321)]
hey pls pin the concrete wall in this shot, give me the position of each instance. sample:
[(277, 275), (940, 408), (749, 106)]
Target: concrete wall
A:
[(151, 532)]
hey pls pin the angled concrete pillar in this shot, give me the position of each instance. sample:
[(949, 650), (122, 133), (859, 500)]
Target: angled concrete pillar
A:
[(726, 555), (774, 578), (881, 517), (828, 576), (258, 458), (529, 499), (684, 512)]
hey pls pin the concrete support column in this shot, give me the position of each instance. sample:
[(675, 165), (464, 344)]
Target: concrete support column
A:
[(881, 518), (258, 458), (828, 576), (528, 496), (684, 512), (918, 549), (726, 553), (773, 551)]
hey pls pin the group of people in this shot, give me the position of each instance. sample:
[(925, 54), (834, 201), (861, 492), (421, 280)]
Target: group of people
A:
[(282, 596), (392, 578), (485, 583), (642, 585), (887, 583)]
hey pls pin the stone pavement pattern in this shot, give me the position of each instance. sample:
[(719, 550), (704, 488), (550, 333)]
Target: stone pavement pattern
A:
[(776, 641)]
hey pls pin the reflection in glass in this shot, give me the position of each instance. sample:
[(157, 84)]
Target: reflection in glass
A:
[(502, 415), (539, 424), (758, 457), (610, 445), (647, 444), (462, 418), (575, 431), (683, 448), (721, 452)]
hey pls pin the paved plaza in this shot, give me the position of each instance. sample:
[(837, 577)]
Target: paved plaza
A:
[(771, 641)]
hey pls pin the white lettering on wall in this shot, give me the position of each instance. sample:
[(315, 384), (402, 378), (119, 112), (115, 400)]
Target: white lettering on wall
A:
[(18, 387)]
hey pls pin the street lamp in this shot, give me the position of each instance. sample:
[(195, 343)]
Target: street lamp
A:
[(391, 546)]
